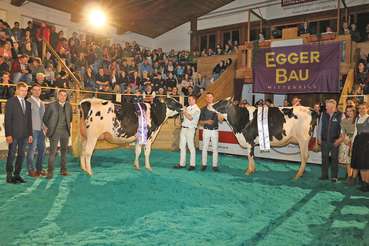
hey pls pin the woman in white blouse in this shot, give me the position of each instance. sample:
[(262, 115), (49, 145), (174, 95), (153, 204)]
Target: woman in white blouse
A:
[(360, 147)]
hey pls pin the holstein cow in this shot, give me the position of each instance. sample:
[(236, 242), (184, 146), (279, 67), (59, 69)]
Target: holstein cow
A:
[(286, 125), (118, 124)]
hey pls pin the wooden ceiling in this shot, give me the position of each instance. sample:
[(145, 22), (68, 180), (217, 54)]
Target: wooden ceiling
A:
[(147, 17)]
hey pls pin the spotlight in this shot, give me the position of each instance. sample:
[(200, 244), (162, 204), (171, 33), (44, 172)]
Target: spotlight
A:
[(97, 17)]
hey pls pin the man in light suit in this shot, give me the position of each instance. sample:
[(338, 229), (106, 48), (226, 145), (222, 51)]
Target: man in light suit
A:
[(57, 119), (191, 117), (18, 131), (38, 127)]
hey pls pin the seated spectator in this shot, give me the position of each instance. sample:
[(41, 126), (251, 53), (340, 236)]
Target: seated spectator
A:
[(149, 94), (16, 50), (296, 102), (355, 34), (161, 91), (269, 103), (145, 66), (4, 67), (261, 37), (89, 79), (6, 91), (235, 46), (63, 80), (135, 81), (123, 80), (171, 82), (328, 30), (36, 67), (227, 63), (210, 52), (174, 93), (6, 51), (102, 79), (20, 70), (286, 103), (276, 33), (106, 93), (179, 71), (219, 50), (17, 31), (227, 49), (158, 82)]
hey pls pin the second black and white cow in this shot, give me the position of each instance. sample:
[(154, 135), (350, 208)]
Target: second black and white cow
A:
[(118, 124), (287, 125)]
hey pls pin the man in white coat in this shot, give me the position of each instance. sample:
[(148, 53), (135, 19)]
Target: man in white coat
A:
[(191, 117)]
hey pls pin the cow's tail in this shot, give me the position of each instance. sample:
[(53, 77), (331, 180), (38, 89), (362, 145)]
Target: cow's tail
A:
[(84, 108), (313, 144)]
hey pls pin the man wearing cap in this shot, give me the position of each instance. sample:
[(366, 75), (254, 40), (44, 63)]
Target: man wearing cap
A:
[(191, 117)]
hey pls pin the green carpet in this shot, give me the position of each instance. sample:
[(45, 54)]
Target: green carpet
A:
[(120, 206)]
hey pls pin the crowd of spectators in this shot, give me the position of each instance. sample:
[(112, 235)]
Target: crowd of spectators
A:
[(116, 68)]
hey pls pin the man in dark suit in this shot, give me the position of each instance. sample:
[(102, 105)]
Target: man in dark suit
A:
[(18, 131), (57, 119)]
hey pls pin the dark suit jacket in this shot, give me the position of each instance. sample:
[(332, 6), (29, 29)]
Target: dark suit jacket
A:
[(51, 117), (17, 124)]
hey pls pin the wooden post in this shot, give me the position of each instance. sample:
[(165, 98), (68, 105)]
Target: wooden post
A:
[(249, 27), (338, 15), (194, 40)]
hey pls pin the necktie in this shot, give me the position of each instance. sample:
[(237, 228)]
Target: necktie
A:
[(23, 106)]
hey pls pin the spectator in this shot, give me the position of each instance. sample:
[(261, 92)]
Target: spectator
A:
[(6, 51), (102, 79), (36, 67), (360, 160), (355, 34), (20, 70), (305, 29), (135, 81), (296, 102), (286, 103), (345, 29), (362, 76), (171, 82), (6, 91), (4, 67), (347, 132), (218, 69), (17, 32), (219, 50)]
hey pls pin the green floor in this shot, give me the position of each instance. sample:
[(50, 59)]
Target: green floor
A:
[(120, 206)]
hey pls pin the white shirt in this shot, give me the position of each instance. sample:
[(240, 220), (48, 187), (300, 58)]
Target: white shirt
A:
[(359, 120), (194, 111), (22, 102)]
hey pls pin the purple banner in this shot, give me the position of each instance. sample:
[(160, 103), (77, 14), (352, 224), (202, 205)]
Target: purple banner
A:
[(298, 69)]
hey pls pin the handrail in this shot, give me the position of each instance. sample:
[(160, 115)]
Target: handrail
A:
[(54, 53), (347, 88)]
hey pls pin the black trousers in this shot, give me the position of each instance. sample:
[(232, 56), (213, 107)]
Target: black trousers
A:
[(18, 145), (63, 137), (328, 149)]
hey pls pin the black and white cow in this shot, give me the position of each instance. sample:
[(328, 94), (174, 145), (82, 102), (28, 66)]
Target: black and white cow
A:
[(118, 124), (287, 125)]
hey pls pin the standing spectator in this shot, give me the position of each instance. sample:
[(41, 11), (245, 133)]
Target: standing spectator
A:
[(38, 135), (89, 79), (18, 131), (355, 34), (191, 117), (360, 160), (57, 120), (330, 132), (286, 103), (17, 32), (53, 37), (296, 102), (209, 120), (362, 76), (347, 132)]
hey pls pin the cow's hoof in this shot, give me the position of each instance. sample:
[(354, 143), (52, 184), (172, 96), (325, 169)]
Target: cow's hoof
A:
[(149, 169), (249, 172), (137, 168), (89, 173)]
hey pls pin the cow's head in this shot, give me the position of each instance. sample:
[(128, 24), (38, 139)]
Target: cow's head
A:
[(173, 106), (223, 106)]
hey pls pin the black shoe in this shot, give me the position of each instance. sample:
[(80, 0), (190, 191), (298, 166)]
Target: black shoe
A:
[(19, 179), (216, 169), (364, 187), (323, 178), (10, 180), (191, 168), (178, 166), (203, 168)]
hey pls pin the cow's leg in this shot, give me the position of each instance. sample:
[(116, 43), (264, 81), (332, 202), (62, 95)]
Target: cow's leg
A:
[(89, 149), (251, 167), (83, 153), (304, 155), (147, 155), (137, 156)]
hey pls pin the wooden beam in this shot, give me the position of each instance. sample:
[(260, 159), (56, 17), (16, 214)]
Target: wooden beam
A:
[(257, 15), (17, 3), (338, 15), (249, 26), (194, 39)]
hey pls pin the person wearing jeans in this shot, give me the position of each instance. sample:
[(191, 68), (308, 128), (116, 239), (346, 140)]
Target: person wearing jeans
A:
[(38, 128), (209, 120), (191, 117)]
